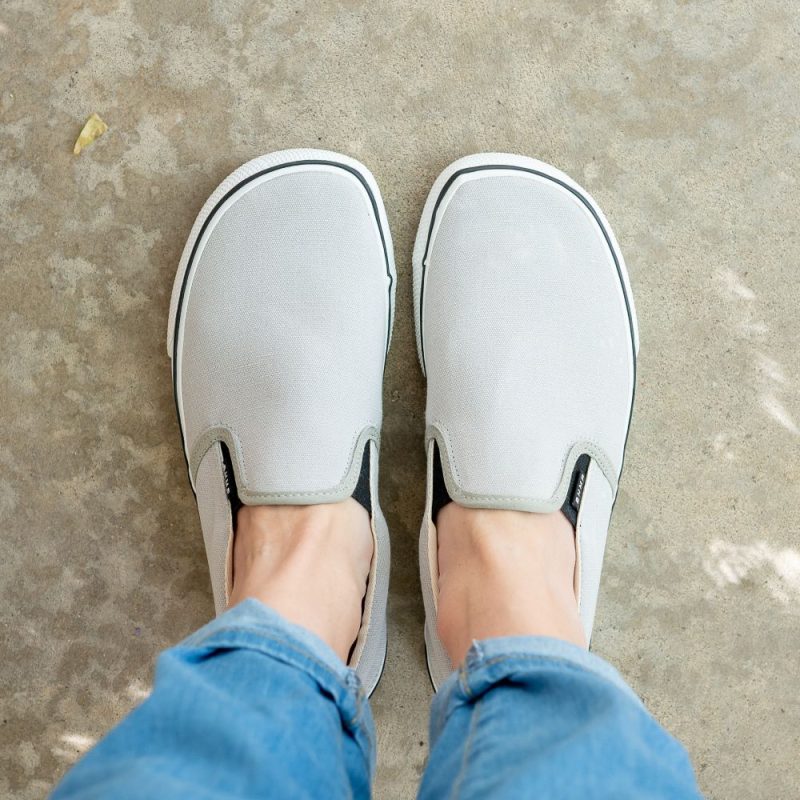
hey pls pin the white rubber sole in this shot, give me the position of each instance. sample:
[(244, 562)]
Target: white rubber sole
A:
[(464, 169), (370, 651)]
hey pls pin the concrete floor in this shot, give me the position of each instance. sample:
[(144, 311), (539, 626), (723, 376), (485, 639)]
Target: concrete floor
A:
[(681, 118)]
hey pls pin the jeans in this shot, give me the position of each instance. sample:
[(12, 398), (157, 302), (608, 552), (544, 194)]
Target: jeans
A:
[(252, 706)]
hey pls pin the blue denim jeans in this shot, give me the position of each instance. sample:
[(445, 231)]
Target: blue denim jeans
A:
[(252, 706)]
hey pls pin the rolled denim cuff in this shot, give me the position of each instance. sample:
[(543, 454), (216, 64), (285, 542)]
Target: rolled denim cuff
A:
[(251, 625), (492, 661)]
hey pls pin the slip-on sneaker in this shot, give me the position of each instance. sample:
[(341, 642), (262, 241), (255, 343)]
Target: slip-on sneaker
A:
[(527, 335), (279, 326)]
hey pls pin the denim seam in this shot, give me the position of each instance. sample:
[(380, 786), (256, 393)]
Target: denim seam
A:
[(463, 682), (467, 746), (358, 728), (269, 636)]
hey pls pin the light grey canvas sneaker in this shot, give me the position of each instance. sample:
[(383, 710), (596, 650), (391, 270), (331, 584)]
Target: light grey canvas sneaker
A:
[(527, 334), (279, 325)]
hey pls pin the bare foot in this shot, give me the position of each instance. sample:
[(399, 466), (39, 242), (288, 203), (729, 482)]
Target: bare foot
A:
[(505, 573), (308, 563)]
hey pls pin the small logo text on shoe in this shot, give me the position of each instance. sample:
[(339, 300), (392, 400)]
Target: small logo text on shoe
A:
[(578, 493)]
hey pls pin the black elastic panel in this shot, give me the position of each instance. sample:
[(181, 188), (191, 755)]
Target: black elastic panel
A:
[(230, 482), (441, 497), (572, 505), (362, 493)]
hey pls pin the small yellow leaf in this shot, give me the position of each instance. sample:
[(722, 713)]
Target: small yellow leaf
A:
[(93, 128)]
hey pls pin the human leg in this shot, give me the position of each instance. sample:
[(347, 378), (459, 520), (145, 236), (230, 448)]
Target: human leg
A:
[(527, 334)]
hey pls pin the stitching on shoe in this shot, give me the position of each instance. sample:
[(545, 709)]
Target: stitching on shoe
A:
[(217, 433), (589, 446)]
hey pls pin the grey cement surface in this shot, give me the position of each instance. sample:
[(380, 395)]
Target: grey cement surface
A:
[(680, 118)]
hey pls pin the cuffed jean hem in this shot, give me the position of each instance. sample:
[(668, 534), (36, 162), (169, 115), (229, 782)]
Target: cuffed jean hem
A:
[(492, 661), (250, 625)]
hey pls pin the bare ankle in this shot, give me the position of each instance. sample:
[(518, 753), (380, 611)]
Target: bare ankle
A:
[(308, 563), (505, 573)]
